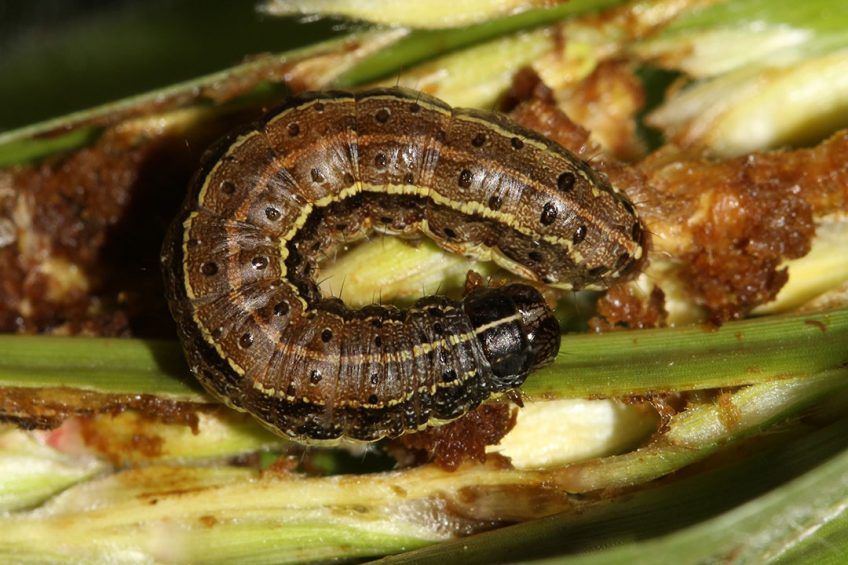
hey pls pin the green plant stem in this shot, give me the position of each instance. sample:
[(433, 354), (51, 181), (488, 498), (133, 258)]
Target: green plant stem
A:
[(695, 357), (618, 363), (748, 510), (104, 365), (426, 44)]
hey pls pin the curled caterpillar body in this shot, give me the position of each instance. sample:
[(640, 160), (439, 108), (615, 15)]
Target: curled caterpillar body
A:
[(241, 257)]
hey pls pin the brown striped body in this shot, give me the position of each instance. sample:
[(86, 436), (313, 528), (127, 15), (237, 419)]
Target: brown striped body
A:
[(240, 260)]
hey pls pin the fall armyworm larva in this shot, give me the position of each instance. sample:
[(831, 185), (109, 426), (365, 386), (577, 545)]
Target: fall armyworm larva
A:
[(330, 167)]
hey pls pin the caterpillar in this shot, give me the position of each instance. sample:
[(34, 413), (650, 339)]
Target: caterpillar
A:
[(328, 168)]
